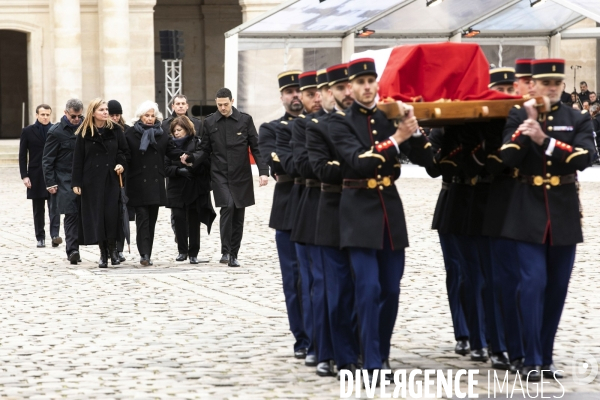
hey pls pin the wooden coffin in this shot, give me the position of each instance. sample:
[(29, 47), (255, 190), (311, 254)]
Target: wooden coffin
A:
[(457, 112)]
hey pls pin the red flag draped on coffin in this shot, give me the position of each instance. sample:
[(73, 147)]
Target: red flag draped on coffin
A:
[(431, 72)]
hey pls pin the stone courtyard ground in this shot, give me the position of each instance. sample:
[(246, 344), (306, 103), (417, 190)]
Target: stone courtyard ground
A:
[(206, 331)]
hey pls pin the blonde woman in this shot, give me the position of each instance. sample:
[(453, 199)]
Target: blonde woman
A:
[(100, 153), (146, 176)]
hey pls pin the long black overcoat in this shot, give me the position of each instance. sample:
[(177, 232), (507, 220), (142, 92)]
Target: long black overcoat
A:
[(94, 161), (146, 174), (226, 141), (195, 190), (57, 163), (32, 144)]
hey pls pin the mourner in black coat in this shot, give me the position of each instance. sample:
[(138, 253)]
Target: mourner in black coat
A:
[(188, 192), (179, 108), (100, 154), (228, 134), (58, 166), (148, 146), (31, 148)]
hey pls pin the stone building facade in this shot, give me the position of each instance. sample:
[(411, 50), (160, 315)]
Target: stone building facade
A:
[(52, 50)]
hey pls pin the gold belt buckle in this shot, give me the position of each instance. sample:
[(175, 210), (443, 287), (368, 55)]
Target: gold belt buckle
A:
[(538, 180), (372, 183), (555, 180), (386, 181)]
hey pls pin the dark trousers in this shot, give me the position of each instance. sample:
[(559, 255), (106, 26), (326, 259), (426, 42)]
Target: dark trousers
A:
[(321, 330), (507, 274), (377, 276), (39, 216), (340, 304), (454, 285), (493, 318), (187, 229), (290, 276), (472, 284), (232, 228), (306, 282), (145, 221), (545, 274), (71, 225)]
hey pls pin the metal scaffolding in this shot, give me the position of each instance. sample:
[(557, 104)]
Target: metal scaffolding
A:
[(172, 81)]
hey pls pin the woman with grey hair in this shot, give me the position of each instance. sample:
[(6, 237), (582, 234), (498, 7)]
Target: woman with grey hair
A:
[(148, 146)]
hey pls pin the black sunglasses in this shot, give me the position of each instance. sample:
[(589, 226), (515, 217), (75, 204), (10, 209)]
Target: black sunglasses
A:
[(76, 116)]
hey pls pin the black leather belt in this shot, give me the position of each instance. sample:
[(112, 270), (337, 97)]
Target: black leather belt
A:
[(283, 178), (368, 183), (549, 180), (312, 183), (326, 187), (471, 181), (299, 181)]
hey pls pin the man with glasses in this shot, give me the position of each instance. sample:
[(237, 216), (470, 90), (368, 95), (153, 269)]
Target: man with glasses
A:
[(57, 164)]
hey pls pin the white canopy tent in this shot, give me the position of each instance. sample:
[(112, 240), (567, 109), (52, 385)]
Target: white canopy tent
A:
[(335, 24), (313, 34)]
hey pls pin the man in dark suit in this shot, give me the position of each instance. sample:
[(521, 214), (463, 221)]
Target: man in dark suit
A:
[(57, 164), (33, 139), (227, 136), (180, 106)]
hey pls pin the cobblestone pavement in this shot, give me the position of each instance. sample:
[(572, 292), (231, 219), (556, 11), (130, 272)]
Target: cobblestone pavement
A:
[(206, 331)]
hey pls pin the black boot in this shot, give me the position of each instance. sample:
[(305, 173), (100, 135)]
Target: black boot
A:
[(103, 263), (112, 251)]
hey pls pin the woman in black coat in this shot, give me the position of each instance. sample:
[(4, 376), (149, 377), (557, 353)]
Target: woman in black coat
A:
[(188, 192), (99, 156), (148, 146)]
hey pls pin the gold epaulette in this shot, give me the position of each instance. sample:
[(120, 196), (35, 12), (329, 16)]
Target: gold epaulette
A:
[(343, 114), (316, 121), (518, 107), (302, 116), (284, 122), (274, 157), (509, 145), (370, 153), (334, 162), (578, 152)]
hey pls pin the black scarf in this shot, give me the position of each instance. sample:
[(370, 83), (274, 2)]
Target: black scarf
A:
[(181, 142), (149, 133), (74, 127), (43, 129)]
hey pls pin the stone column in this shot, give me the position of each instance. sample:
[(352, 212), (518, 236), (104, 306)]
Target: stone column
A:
[(253, 8), (67, 51), (115, 59)]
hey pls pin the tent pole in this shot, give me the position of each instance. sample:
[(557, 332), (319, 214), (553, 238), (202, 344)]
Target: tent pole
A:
[(554, 48), (232, 63), (456, 38), (347, 47)]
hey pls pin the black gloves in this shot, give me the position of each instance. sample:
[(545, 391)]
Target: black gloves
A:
[(184, 172)]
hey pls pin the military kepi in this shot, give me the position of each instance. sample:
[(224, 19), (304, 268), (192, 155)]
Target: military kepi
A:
[(361, 66), (549, 68), (288, 78), (337, 73), (322, 78), (501, 76), (523, 68), (308, 80)]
